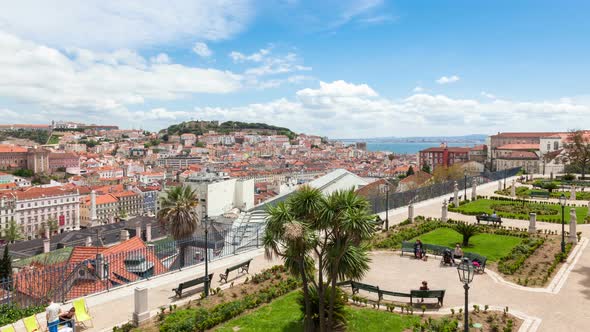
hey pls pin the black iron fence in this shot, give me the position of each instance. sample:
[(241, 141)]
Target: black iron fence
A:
[(91, 270), (398, 199)]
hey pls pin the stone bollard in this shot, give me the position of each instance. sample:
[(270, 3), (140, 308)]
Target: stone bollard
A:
[(573, 237), (573, 193), (513, 189), (473, 190), (88, 242), (532, 223), (444, 211), (411, 212), (456, 195), (141, 313), (500, 185)]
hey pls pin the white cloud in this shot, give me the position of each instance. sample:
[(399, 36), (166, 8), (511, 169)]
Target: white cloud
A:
[(343, 109), (202, 50), (268, 64), (114, 24), (488, 95), (418, 89), (161, 58), (448, 80), (80, 78)]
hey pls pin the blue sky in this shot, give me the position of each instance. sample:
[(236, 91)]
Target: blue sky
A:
[(337, 68)]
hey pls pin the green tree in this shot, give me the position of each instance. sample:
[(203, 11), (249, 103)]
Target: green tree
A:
[(331, 228), (391, 156), (426, 168), (577, 150), (178, 214), (410, 171), (467, 231), (5, 265), (13, 232)]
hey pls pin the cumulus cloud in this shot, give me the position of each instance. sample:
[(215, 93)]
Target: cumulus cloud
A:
[(201, 49), (448, 79), (80, 78), (347, 110), (114, 24), (418, 89)]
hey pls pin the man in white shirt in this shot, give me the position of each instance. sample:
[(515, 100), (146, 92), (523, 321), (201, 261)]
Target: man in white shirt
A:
[(52, 314)]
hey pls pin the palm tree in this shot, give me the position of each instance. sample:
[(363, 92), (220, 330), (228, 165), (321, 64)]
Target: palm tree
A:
[(467, 230), (179, 215), (330, 228)]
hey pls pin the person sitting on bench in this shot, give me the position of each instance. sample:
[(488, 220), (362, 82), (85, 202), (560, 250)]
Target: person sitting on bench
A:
[(419, 250), (458, 252), (494, 215), (424, 287)]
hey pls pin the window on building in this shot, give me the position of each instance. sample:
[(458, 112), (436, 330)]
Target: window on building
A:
[(555, 145), (548, 146)]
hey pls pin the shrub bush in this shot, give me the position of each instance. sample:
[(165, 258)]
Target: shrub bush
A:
[(517, 256), (10, 313), (340, 302)]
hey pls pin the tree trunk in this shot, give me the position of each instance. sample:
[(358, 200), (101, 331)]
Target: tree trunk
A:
[(307, 320), (322, 309), (332, 298), (181, 253)]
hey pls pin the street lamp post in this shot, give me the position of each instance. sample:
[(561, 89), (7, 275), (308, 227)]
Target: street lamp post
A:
[(466, 272), (562, 202), (205, 220), (385, 189)]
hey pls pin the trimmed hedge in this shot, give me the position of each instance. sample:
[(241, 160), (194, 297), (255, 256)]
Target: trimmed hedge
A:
[(516, 258), (201, 319)]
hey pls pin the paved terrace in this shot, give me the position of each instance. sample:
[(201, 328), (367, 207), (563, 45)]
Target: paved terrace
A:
[(562, 306)]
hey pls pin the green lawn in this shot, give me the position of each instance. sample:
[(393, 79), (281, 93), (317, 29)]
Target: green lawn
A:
[(284, 315), (484, 206), (492, 246)]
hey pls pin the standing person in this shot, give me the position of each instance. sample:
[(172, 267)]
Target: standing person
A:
[(52, 314)]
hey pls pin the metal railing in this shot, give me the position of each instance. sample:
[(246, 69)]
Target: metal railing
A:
[(91, 270), (404, 198)]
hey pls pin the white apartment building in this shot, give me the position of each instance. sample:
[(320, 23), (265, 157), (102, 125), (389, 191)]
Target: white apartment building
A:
[(36, 206), (7, 211), (151, 177)]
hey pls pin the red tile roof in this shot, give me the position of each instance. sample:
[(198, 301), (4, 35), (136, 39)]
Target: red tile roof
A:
[(6, 148)]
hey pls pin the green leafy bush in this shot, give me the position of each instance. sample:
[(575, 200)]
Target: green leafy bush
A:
[(10, 313), (340, 301)]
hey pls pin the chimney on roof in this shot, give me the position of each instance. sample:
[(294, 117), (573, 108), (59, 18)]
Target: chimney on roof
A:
[(46, 245), (124, 235)]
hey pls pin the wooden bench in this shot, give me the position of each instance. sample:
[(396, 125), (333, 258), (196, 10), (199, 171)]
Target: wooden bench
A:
[(481, 259), (356, 286), (428, 294), (540, 194), (489, 219), (242, 267), (394, 294), (408, 246), (191, 283)]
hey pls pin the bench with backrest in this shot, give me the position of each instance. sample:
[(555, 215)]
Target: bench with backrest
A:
[(356, 286), (393, 294), (428, 294), (243, 267), (539, 194), (191, 283), (407, 246), (479, 258), (489, 219)]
